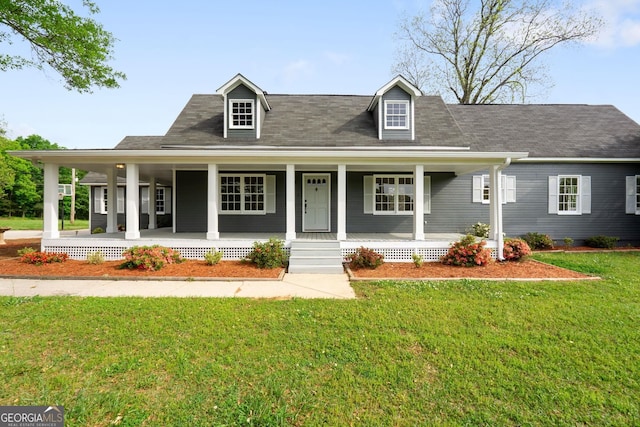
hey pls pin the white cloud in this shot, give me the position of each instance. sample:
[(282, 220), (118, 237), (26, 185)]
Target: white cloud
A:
[(20, 129), (621, 22)]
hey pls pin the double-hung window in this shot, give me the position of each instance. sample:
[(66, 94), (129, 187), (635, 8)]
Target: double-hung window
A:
[(633, 195), (393, 194), (160, 201), (569, 194), (396, 114), (241, 114), (482, 190), (242, 194), (101, 200)]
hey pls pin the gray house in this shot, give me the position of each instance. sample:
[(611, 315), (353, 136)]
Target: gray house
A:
[(398, 172)]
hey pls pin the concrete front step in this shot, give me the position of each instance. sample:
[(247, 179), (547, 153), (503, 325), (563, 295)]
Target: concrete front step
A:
[(316, 257)]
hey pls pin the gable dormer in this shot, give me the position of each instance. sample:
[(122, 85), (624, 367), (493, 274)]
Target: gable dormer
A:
[(245, 107), (393, 109)]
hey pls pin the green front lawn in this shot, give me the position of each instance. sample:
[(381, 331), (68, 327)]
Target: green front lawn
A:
[(18, 223), (404, 353)]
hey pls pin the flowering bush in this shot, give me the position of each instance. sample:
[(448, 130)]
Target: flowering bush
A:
[(479, 229), (365, 258), (39, 258), (149, 258), (270, 254), (467, 252), (516, 250)]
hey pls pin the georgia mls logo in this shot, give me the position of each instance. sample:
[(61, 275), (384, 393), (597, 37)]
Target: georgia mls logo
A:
[(31, 416)]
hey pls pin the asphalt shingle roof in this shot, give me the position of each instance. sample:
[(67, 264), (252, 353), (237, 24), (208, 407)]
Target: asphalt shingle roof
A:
[(598, 131)]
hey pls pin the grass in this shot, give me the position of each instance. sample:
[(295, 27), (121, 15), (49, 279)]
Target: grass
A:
[(19, 223), (405, 353)]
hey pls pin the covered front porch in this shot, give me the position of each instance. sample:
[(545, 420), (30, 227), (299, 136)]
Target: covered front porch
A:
[(397, 247)]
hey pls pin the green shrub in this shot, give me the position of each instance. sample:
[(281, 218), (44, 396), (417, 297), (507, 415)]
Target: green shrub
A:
[(95, 258), (479, 229), (568, 241), (365, 258), (417, 260), (149, 258), (516, 250), (26, 250), (213, 257), (270, 254), (467, 252), (538, 241), (606, 242), (39, 258), (97, 230)]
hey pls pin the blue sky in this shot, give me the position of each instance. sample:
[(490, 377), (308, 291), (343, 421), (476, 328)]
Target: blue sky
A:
[(171, 50)]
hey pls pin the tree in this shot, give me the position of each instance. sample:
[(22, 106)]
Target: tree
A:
[(76, 47), (490, 54)]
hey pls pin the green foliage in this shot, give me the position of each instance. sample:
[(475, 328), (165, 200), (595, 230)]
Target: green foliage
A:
[(76, 47), (516, 250), (538, 241), (269, 254), (97, 230), (405, 353), (213, 257), (149, 258), (468, 253), (479, 229), (568, 241), (417, 260), (605, 242), (25, 251), (39, 258), (95, 258), (365, 258)]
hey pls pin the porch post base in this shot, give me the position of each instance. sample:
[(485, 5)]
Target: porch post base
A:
[(290, 236), (131, 235), (341, 236), (213, 236), (55, 234)]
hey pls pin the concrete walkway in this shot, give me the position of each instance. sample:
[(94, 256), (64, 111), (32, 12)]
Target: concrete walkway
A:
[(292, 286)]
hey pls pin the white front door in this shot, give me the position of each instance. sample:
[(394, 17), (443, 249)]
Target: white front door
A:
[(316, 202)]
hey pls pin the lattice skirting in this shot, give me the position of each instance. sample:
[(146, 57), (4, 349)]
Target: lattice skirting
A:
[(195, 249)]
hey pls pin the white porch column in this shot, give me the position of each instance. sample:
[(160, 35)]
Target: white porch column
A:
[(50, 206), (153, 223), (291, 203), (495, 208), (342, 202), (212, 203), (132, 211), (112, 201), (418, 202)]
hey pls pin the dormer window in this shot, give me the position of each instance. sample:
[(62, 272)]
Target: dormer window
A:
[(242, 114), (395, 114)]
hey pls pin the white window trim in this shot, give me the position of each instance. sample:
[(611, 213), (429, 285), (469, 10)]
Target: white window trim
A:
[(578, 210), (632, 192), (508, 188), (396, 199), (242, 210), (407, 109), (369, 195), (253, 114), (101, 198), (162, 190)]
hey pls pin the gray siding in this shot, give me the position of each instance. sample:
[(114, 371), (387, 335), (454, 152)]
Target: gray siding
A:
[(191, 201), (191, 207), (242, 92), (100, 220), (396, 94)]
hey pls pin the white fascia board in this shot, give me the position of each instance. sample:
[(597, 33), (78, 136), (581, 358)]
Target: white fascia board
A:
[(578, 160), (239, 79), (399, 81)]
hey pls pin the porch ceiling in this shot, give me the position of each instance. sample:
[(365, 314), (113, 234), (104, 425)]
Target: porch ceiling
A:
[(162, 163)]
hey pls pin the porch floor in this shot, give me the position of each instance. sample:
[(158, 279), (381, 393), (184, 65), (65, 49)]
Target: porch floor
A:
[(167, 234)]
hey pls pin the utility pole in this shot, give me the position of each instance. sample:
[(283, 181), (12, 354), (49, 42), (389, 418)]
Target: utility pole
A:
[(72, 214)]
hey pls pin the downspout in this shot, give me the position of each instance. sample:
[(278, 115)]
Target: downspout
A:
[(499, 229)]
